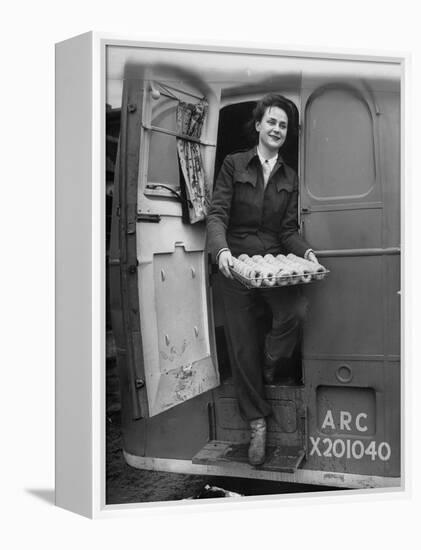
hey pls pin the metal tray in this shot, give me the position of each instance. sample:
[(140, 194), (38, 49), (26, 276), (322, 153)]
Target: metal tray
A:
[(261, 282)]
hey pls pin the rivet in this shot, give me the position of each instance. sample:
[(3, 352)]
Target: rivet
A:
[(167, 340), (156, 94), (131, 107)]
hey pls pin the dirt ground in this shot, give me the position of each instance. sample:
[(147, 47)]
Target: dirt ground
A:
[(125, 484)]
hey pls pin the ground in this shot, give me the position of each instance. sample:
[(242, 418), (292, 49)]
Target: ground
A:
[(126, 484)]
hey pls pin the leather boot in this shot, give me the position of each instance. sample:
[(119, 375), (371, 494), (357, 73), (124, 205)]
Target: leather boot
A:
[(256, 453)]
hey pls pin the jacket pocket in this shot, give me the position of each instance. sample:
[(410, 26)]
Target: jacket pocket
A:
[(242, 176), (284, 185)]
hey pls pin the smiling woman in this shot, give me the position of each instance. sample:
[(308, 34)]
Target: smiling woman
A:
[(255, 211)]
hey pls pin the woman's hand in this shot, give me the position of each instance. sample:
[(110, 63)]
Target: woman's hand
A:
[(224, 263), (312, 257)]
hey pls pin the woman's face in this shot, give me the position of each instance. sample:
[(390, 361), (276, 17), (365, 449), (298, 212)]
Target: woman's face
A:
[(272, 129)]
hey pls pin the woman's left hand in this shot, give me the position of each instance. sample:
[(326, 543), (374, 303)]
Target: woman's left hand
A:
[(312, 257)]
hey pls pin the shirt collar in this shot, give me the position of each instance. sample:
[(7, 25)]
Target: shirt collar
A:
[(270, 161), (254, 152)]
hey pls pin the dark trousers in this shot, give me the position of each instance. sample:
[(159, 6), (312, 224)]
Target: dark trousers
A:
[(242, 332)]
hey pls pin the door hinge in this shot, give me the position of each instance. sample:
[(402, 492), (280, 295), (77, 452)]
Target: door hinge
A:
[(131, 228), (139, 383), (133, 268)]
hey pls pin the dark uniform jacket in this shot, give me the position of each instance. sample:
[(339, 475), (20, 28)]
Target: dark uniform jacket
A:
[(248, 219)]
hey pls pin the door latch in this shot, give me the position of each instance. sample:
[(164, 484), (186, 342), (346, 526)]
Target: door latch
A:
[(148, 217)]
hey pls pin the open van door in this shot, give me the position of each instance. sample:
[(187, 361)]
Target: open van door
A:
[(161, 312)]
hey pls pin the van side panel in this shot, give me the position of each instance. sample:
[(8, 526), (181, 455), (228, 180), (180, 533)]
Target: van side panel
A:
[(351, 341)]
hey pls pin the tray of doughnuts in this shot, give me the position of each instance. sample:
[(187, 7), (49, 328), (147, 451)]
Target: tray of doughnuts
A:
[(274, 271)]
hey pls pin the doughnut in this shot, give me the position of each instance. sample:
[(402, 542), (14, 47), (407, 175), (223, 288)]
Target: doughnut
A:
[(283, 275), (316, 270), (256, 278)]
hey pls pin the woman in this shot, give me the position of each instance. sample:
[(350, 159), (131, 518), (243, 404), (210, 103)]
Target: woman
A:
[(254, 211)]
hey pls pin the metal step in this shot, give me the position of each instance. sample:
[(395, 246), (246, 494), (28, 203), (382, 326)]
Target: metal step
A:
[(278, 458)]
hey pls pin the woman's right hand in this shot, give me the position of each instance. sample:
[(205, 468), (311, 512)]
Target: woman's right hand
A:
[(224, 263)]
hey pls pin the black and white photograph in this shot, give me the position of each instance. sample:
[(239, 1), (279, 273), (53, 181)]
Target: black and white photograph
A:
[(253, 273), (210, 292)]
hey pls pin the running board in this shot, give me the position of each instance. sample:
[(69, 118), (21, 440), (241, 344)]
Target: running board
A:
[(278, 458)]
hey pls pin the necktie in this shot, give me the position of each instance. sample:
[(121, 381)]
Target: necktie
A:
[(266, 172)]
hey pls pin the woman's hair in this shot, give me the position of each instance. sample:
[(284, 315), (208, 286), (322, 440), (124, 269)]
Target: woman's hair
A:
[(271, 100)]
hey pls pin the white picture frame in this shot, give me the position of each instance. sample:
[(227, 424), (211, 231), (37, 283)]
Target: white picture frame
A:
[(80, 253)]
